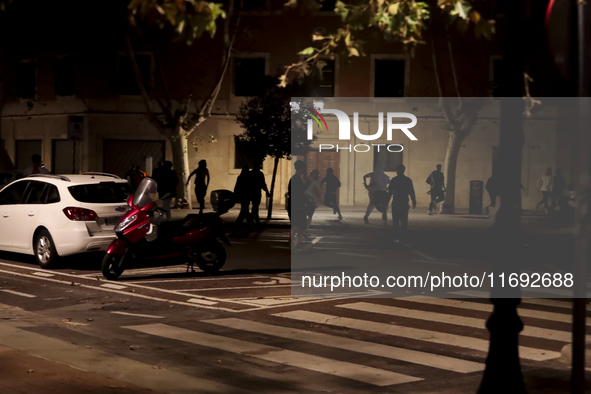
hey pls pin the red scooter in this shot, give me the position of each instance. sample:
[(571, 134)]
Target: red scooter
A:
[(143, 240)]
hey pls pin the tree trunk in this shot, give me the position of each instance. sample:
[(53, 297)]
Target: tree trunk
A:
[(180, 159), (272, 191), (451, 160)]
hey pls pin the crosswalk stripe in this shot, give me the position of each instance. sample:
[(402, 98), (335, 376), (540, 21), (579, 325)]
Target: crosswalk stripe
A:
[(477, 306), (535, 301), (464, 321), (343, 369), (374, 349), (412, 333)]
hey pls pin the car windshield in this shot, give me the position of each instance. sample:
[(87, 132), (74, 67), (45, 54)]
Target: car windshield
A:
[(146, 192), (101, 193)]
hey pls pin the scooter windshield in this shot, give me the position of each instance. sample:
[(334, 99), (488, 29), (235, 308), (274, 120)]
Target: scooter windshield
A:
[(146, 193)]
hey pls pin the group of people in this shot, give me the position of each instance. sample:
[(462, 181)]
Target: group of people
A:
[(247, 191), (304, 196)]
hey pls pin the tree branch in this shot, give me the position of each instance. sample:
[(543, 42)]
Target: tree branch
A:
[(140, 82), (205, 110), (453, 71), (445, 105)]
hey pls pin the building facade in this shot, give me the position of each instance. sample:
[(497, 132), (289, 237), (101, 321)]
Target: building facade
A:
[(73, 98)]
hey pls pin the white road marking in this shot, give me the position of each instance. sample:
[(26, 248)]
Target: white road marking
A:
[(113, 286), (536, 301), (237, 288), (43, 274), (357, 255), (354, 345), (201, 302), (457, 320), (128, 294), (316, 240), (137, 314), (413, 333), (434, 262), (477, 306), (72, 323), (220, 278), (18, 293), (362, 373)]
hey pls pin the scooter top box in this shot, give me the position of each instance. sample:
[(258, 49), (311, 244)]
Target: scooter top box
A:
[(222, 200)]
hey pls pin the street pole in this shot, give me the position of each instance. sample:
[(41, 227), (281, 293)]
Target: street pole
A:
[(503, 370), (582, 175)]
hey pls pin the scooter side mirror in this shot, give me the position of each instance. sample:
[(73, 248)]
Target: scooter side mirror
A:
[(164, 197), (130, 200)]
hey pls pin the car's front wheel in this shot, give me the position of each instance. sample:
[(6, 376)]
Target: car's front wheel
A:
[(45, 252)]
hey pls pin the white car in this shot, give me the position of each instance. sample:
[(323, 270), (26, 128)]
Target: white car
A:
[(50, 216)]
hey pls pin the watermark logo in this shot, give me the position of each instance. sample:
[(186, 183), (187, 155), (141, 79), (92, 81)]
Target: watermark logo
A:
[(344, 124)]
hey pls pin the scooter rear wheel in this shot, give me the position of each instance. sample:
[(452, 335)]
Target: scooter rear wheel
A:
[(112, 266), (209, 257)]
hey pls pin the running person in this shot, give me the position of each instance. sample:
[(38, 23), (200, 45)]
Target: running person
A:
[(330, 197)]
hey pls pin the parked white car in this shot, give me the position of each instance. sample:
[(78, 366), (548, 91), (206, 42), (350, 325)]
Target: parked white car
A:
[(50, 216)]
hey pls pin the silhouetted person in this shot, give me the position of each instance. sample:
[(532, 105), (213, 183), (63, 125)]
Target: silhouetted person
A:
[(436, 180), (492, 187), (378, 182), (545, 186), (201, 183), (401, 189), (330, 196), (167, 181), (558, 185), (134, 176), (242, 196), (37, 167), (257, 184), (296, 204), (312, 193)]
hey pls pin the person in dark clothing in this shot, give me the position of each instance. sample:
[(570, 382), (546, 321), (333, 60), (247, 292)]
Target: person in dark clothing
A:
[(437, 190), (201, 183), (296, 204), (242, 196), (330, 196), (558, 185), (257, 184), (400, 188), (167, 181), (492, 187)]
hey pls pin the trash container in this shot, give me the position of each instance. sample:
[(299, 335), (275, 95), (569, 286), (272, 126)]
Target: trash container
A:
[(476, 194)]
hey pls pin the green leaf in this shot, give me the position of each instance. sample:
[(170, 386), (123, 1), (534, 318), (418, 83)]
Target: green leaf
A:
[(308, 51)]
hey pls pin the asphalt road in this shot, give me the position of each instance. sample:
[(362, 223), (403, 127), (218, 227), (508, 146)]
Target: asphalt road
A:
[(241, 331)]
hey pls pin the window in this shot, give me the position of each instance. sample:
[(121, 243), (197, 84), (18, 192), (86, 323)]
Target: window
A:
[(322, 82), (101, 193), (51, 195), (242, 155), (64, 76), (34, 193), (13, 194), (389, 160), (26, 80), (126, 83), (389, 78), (249, 76)]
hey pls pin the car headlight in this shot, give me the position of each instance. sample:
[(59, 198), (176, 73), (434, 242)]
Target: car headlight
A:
[(123, 223)]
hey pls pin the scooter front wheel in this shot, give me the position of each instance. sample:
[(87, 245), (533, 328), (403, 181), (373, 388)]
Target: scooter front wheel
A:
[(112, 266), (209, 257)]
